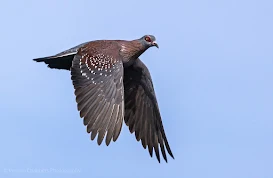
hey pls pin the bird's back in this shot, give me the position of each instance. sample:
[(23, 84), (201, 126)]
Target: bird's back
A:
[(63, 60), (103, 47)]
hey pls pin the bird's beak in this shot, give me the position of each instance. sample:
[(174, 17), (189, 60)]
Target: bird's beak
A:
[(155, 44)]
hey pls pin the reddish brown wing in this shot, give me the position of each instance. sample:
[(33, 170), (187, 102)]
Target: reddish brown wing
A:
[(98, 81), (141, 110)]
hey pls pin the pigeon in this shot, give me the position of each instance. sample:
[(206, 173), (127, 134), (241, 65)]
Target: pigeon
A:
[(112, 84)]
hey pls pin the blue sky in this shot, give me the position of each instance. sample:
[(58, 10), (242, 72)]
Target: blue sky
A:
[(212, 75)]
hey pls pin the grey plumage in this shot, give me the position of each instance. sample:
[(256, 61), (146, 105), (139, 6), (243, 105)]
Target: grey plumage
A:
[(111, 84)]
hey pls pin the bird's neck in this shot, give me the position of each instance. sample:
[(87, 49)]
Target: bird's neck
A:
[(131, 50)]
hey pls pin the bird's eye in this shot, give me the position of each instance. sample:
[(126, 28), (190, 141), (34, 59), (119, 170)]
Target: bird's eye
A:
[(148, 39)]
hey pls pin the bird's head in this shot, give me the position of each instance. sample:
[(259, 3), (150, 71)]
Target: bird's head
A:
[(149, 41), (131, 50)]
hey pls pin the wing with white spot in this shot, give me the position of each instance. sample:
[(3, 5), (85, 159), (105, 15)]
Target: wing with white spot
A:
[(98, 84)]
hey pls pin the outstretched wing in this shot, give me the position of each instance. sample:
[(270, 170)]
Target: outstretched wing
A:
[(141, 110), (98, 84)]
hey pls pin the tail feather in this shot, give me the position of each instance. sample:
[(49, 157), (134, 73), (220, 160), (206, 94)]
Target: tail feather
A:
[(64, 62), (61, 60)]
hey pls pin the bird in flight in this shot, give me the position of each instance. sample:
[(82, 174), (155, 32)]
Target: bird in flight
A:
[(111, 83)]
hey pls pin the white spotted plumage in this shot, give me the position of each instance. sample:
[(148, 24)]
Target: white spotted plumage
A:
[(100, 62)]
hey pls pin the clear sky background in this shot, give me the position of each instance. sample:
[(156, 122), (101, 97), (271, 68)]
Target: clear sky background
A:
[(213, 76)]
